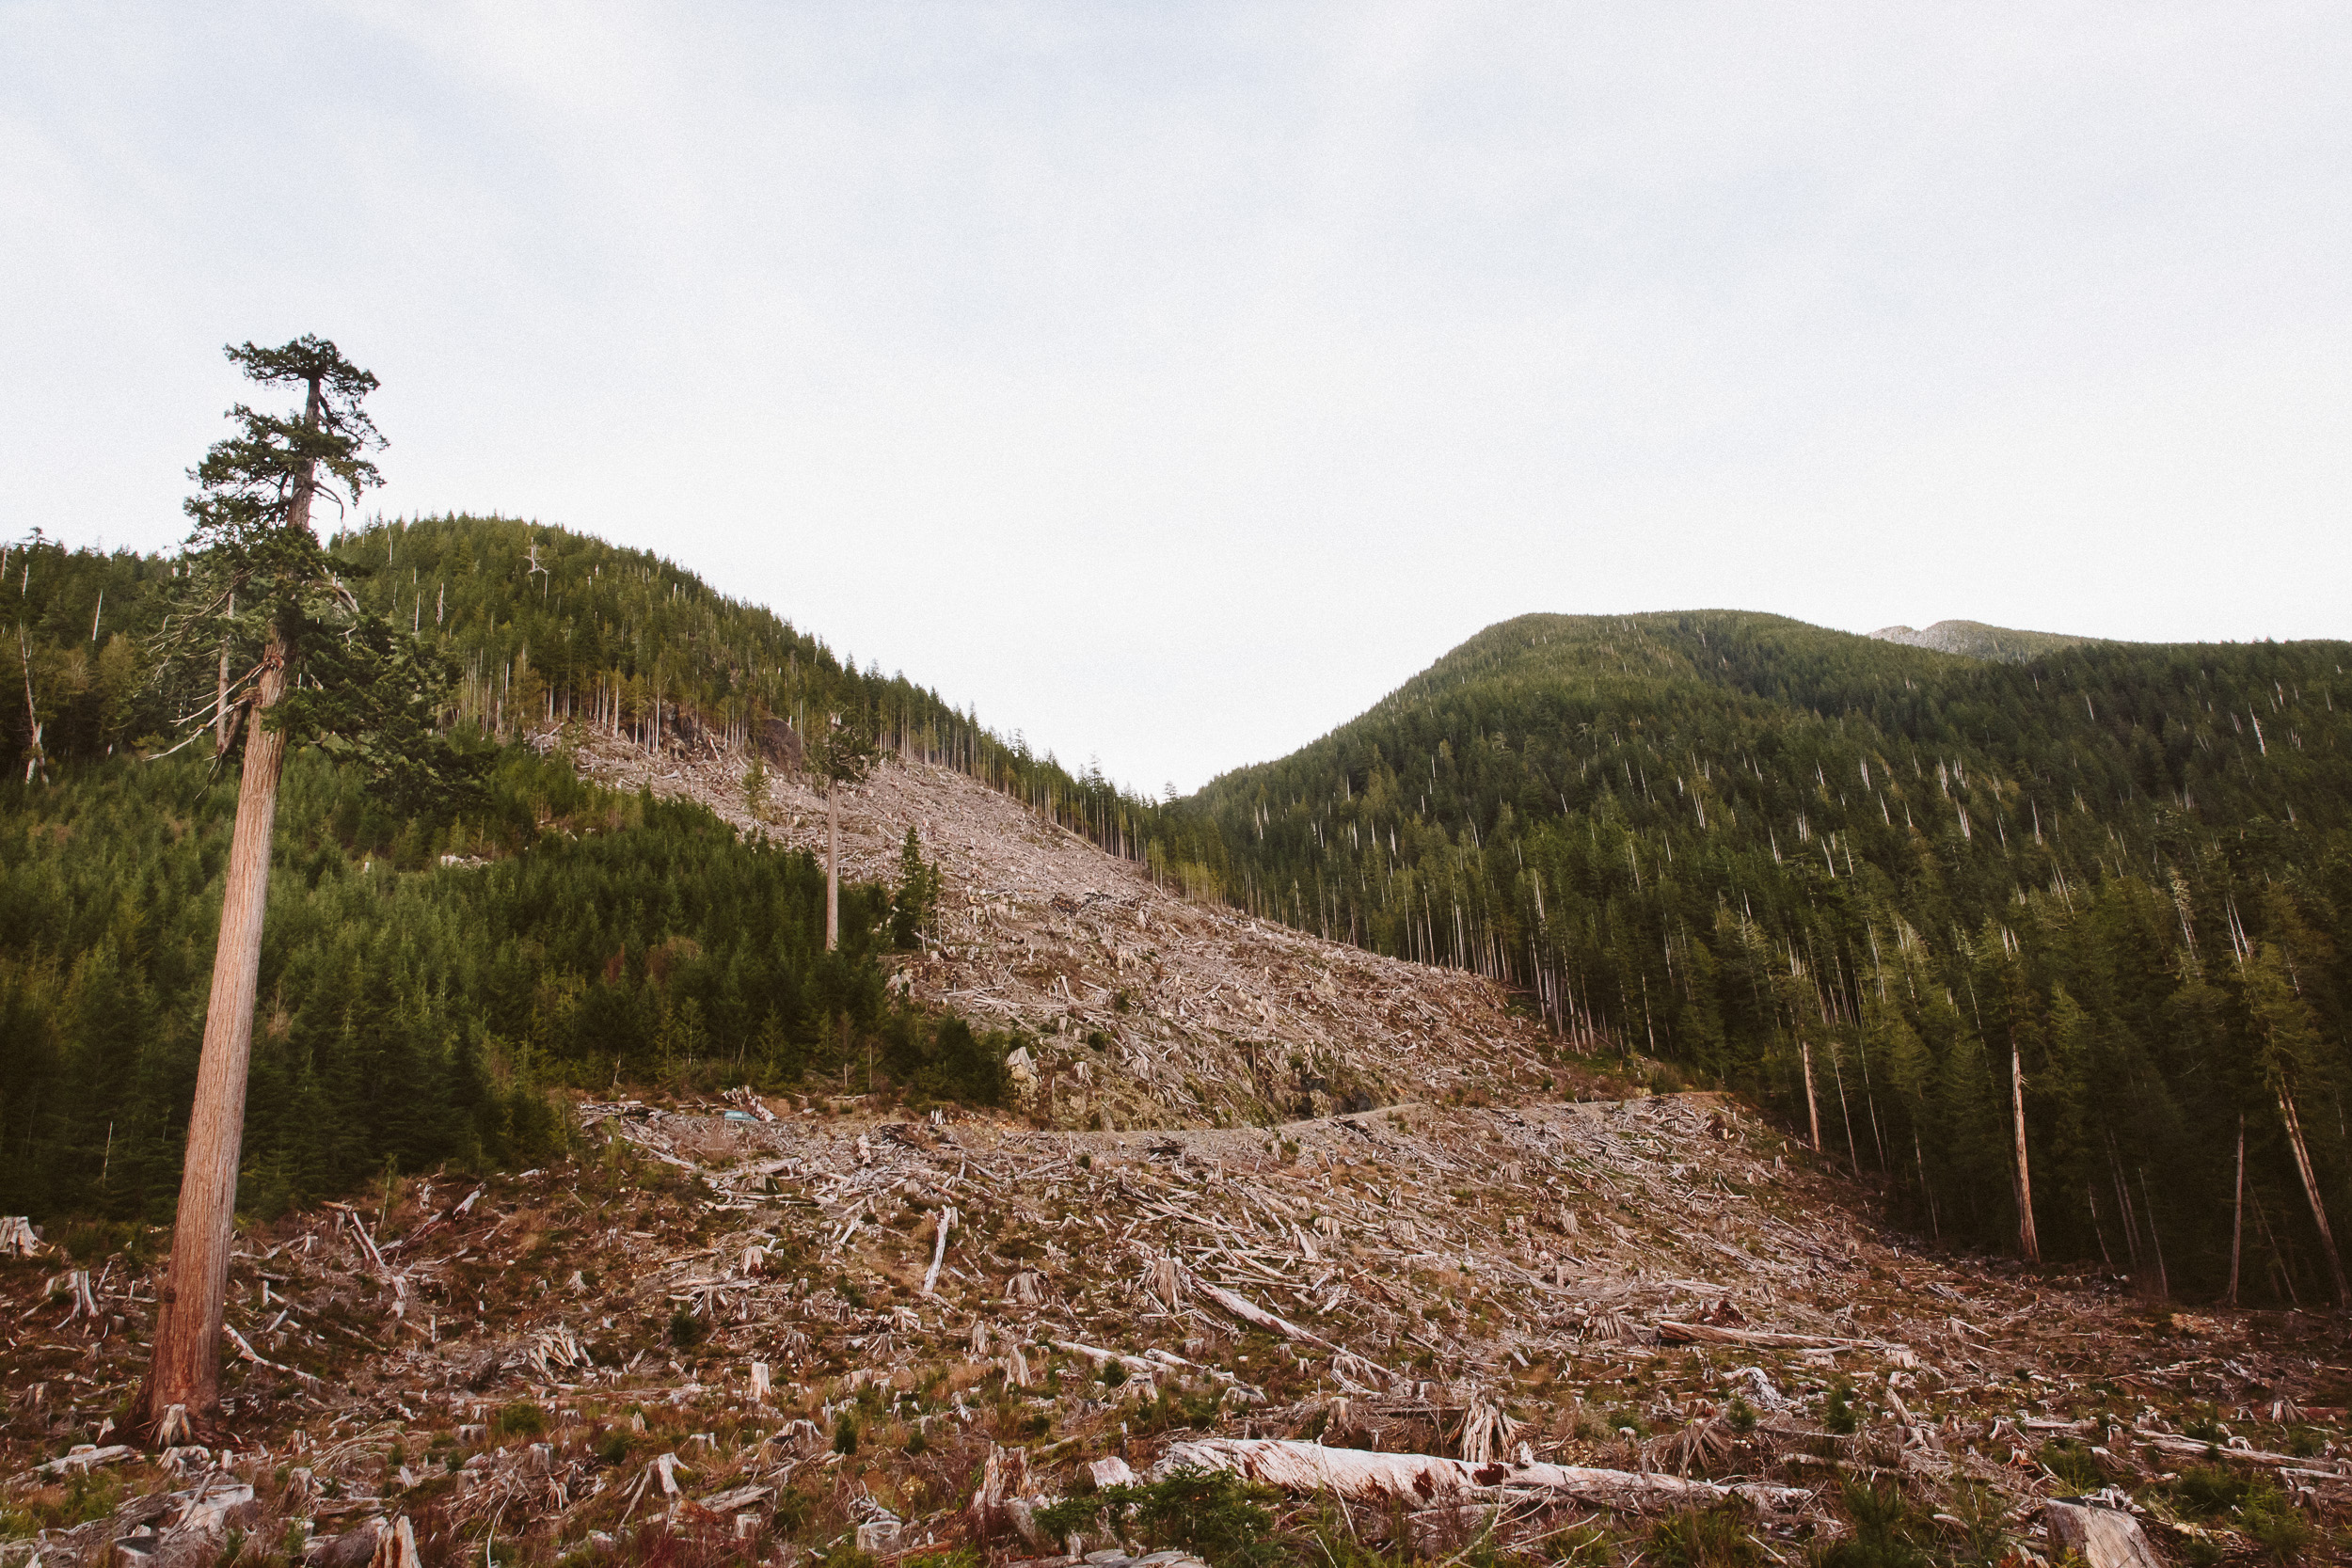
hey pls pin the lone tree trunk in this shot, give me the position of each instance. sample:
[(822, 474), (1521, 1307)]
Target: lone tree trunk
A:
[(843, 754), (2027, 1242), (187, 1368), (2311, 1190), (2237, 1211), (1812, 1111), (220, 702), (832, 872)]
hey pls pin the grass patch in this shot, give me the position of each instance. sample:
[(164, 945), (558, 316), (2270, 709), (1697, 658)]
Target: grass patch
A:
[(2210, 1491), (1704, 1538)]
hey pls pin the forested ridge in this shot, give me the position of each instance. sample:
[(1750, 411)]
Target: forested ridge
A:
[(554, 625), (1734, 841), (549, 626)]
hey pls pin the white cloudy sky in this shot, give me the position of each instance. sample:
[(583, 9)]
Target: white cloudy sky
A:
[(1171, 380)]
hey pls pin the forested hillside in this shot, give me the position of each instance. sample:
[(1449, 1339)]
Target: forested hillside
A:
[(552, 625), (1737, 843), (408, 1017), (426, 974)]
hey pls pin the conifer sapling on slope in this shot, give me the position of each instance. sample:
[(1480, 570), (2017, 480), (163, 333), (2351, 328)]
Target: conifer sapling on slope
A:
[(262, 595)]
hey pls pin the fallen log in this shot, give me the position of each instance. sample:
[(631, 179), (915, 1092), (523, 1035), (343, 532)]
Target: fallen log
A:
[(84, 1459), (1421, 1480), (1136, 1365), (246, 1352), (1250, 1312), (1346, 1362), (1671, 1333), (2178, 1446)]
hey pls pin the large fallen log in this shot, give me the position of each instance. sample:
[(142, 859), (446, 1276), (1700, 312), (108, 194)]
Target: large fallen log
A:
[(1421, 1480), (1670, 1333)]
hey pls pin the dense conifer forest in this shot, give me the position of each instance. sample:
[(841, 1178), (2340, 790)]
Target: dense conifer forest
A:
[(1872, 884), (1738, 844)]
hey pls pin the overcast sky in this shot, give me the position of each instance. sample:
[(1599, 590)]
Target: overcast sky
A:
[(1171, 381)]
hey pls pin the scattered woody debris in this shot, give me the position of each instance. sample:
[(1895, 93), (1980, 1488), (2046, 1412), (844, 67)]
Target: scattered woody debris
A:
[(1300, 1217)]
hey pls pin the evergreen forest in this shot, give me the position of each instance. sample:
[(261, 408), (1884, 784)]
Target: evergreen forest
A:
[(1758, 851)]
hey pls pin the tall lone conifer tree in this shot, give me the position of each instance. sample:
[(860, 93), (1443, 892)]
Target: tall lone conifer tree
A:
[(264, 596)]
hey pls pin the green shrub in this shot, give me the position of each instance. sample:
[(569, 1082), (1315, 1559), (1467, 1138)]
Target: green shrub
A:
[(967, 1556), (1184, 1407), (1212, 1513), (2261, 1510), (1887, 1531), (520, 1419), (2208, 1491), (2072, 1463), (794, 1508), (686, 1330), (1983, 1517), (1839, 1415), (2278, 1527)]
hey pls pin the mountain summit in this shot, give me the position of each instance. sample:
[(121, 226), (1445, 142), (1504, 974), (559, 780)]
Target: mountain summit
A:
[(1974, 640)]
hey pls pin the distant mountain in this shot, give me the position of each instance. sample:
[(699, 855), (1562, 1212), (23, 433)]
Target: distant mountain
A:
[(1974, 640)]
